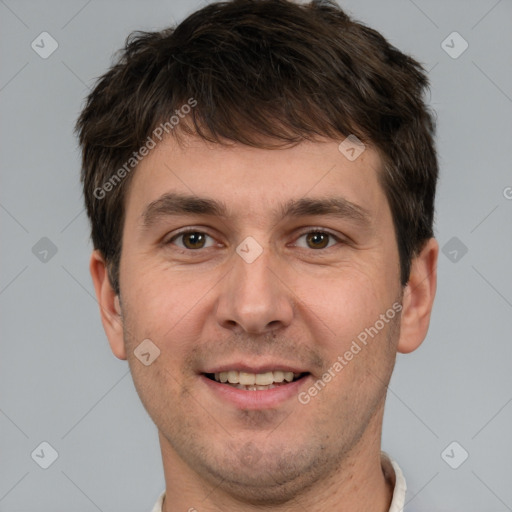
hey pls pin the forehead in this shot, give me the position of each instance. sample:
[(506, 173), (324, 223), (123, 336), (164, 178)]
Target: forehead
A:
[(248, 181)]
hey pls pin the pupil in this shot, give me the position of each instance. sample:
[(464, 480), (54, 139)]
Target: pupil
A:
[(194, 240), (319, 240)]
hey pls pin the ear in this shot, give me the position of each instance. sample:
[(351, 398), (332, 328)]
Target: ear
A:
[(418, 298), (110, 308)]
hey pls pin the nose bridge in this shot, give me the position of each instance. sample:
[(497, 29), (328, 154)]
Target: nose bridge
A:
[(252, 296)]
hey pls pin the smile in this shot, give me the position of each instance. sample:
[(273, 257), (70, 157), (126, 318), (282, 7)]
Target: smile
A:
[(255, 381)]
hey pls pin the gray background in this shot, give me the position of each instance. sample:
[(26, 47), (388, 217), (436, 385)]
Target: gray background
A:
[(60, 382)]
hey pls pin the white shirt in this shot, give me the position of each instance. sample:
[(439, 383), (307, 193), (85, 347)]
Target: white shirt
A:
[(397, 503)]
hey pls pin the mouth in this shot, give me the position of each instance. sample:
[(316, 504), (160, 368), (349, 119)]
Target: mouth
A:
[(262, 381)]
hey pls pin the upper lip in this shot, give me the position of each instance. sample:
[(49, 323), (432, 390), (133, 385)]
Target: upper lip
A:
[(255, 368)]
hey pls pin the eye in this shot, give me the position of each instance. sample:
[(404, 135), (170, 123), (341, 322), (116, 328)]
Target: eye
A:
[(191, 239), (318, 240)]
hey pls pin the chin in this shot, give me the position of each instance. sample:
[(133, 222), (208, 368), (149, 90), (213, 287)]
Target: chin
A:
[(269, 480)]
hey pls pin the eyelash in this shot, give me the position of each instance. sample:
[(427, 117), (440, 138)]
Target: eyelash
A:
[(309, 231)]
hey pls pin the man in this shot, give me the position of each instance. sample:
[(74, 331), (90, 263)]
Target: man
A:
[(260, 182)]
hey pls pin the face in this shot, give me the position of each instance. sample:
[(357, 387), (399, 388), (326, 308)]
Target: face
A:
[(239, 262)]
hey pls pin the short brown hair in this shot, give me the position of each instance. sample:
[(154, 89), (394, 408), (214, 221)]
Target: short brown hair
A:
[(269, 74)]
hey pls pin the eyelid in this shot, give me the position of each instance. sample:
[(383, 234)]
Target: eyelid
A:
[(318, 229)]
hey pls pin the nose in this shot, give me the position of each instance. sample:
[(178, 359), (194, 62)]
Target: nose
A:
[(254, 297)]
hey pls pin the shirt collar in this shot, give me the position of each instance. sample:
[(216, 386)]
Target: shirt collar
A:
[(400, 486)]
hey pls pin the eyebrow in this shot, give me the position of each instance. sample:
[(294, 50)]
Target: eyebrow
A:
[(174, 204)]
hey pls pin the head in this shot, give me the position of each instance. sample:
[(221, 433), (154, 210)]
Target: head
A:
[(230, 125)]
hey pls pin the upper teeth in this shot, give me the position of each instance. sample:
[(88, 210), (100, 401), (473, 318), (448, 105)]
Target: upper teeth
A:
[(251, 379)]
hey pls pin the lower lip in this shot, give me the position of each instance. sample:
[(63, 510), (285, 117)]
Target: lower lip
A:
[(252, 400)]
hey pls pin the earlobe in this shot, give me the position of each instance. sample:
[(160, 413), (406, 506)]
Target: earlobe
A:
[(418, 298), (108, 300)]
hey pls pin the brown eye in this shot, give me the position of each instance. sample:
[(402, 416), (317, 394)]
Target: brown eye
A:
[(192, 240), (317, 240)]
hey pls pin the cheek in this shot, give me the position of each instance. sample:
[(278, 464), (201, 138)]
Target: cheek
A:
[(163, 305), (151, 288), (346, 302), (361, 366), (346, 316)]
